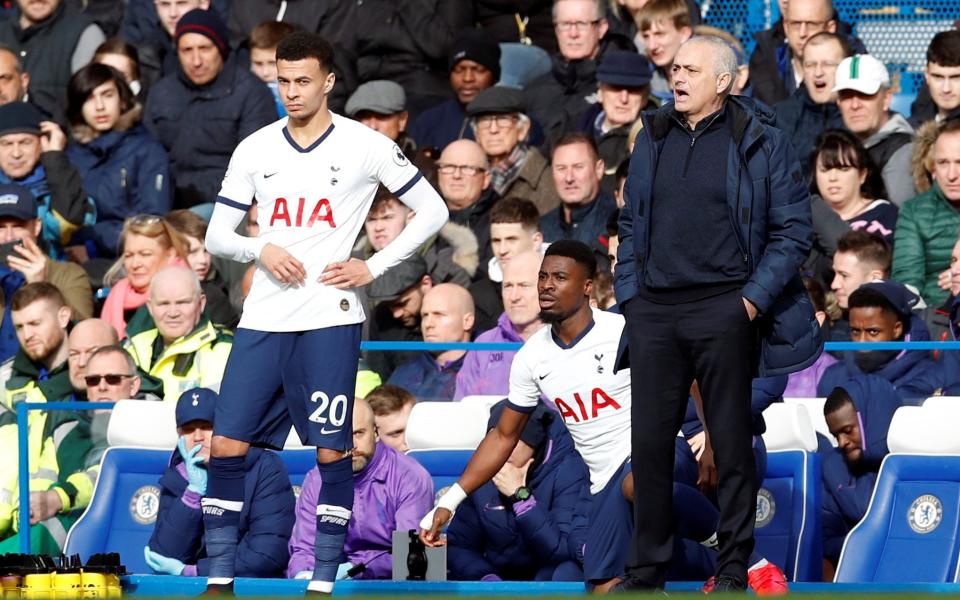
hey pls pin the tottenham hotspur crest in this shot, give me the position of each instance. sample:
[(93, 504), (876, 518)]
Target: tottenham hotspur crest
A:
[(599, 358)]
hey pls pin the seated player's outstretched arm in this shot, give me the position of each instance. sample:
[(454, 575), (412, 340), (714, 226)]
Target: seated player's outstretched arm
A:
[(489, 458)]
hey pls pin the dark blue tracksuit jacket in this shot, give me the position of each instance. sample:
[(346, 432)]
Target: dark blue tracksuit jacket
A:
[(265, 522), (847, 489), (487, 538)]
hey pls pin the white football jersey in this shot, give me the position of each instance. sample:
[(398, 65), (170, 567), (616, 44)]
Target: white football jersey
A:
[(579, 381), (312, 202)]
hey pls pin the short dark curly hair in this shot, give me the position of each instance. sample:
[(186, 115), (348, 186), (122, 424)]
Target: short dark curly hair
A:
[(301, 45)]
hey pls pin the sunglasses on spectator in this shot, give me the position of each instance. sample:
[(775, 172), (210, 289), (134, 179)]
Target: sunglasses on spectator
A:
[(112, 379), (468, 170)]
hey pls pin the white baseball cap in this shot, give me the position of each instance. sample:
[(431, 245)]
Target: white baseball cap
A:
[(862, 73)]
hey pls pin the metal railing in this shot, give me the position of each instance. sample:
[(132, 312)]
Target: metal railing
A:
[(23, 408)]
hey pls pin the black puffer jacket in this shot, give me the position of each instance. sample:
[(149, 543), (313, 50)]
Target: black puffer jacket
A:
[(499, 19), (803, 120)]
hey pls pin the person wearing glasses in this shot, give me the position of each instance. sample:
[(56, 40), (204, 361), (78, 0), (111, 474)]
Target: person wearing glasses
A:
[(557, 99), (179, 545), (183, 348), (463, 179), (776, 68), (58, 443), (813, 109), (502, 128)]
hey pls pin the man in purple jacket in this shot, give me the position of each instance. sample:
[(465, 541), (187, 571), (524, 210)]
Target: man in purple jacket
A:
[(488, 373), (391, 493)]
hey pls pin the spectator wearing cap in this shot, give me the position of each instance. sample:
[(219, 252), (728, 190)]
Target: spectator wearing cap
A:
[(516, 526), (585, 207), (502, 128), (559, 98), (474, 65), (123, 167), (32, 155), (381, 106), (864, 96), (939, 98), (463, 180), (623, 90), (201, 112), (54, 40), (446, 316), (183, 348), (858, 413), (176, 546), (406, 41), (57, 444), (391, 493), (488, 372), (813, 108), (27, 263), (927, 225), (882, 311), (397, 297)]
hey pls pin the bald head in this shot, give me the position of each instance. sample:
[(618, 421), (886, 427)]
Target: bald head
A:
[(524, 266), (362, 414), (521, 300), (459, 187), (447, 314), (86, 338), (176, 302)]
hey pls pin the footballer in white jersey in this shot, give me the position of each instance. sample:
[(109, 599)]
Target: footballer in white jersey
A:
[(571, 362), (295, 353)]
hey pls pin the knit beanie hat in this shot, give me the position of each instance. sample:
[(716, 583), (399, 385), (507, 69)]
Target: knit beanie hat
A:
[(207, 24), (478, 47)]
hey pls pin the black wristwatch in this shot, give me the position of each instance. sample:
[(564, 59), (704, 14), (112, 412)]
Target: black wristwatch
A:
[(522, 494)]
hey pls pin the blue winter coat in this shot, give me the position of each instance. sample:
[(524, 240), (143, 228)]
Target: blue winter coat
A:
[(265, 522), (769, 208), (127, 173), (803, 120), (847, 489), (914, 374), (201, 126), (487, 538)]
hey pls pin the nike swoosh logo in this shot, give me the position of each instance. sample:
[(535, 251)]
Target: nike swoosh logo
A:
[(268, 176), (324, 430), (542, 377)]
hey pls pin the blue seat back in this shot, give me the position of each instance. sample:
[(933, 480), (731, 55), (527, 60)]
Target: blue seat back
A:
[(910, 532), (123, 510), (124, 507), (444, 466), (788, 514)]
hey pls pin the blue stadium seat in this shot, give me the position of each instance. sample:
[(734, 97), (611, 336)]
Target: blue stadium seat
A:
[(444, 466), (911, 529), (788, 514), (124, 507)]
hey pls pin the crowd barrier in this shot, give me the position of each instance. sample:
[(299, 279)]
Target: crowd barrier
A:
[(23, 408)]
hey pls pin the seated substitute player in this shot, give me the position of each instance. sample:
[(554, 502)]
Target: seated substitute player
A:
[(178, 546), (572, 362), (314, 176), (392, 492)]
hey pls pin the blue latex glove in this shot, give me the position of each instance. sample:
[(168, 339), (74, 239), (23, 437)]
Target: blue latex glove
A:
[(162, 564), (196, 470), (342, 570)]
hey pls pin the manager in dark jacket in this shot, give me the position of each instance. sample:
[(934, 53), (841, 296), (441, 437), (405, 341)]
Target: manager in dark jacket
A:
[(515, 527), (177, 546), (202, 112), (707, 246)]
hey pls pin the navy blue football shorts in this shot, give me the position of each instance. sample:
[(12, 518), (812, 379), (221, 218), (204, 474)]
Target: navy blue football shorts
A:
[(277, 379)]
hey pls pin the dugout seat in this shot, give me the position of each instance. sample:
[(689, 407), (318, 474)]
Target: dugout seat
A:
[(788, 503), (814, 408), (447, 425), (911, 530), (484, 400), (143, 424), (788, 428), (444, 466)]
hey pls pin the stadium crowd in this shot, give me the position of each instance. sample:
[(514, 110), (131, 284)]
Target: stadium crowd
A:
[(116, 127)]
